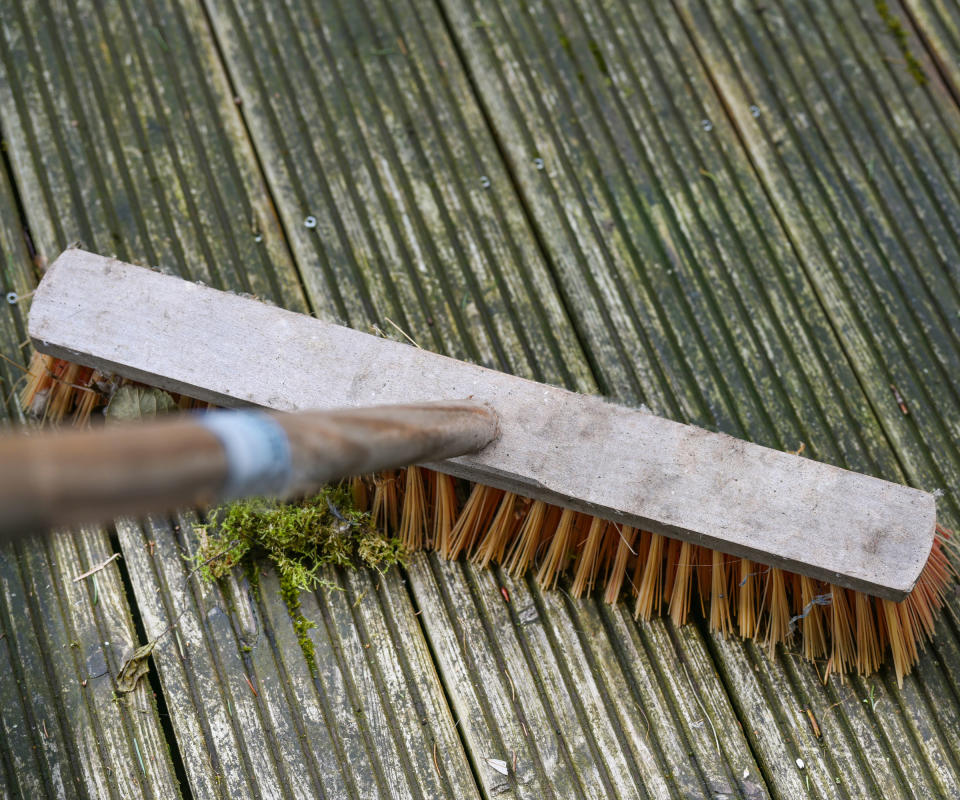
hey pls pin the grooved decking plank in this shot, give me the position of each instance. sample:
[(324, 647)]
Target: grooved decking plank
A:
[(365, 122), (65, 733), (62, 731), (893, 310), (17, 276), (623, 104), (122, 134), (249, 714), (157, 167), (588, 703), (938, 25)]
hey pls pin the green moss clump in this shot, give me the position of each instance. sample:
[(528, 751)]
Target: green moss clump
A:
[(291, 596), (299, 539), (897, 30)]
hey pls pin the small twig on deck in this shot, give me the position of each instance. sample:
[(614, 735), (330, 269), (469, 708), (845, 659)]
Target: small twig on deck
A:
[(706, 716), (513, 691), (97, 568), (403, 333)]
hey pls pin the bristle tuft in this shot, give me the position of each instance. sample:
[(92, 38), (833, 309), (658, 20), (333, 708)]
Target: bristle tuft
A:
[(626, 536), (413, 517)]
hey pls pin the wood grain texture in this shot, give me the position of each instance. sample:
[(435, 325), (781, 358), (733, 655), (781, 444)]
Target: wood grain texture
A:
[(62, 732), (368, 130), (579, 701), (250, 715)]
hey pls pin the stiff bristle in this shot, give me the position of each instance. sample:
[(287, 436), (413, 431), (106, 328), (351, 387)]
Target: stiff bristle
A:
[(413, 519), (851, 630), (57, 389), (626, 536), (444, 495)]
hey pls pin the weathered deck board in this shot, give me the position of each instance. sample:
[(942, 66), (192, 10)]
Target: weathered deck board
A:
[(18, 277), (354, 129), (364, 726), (587, 703), (770, 277), (62, 732), (122, 134), (841, 224), (938, 25), (157, 167)]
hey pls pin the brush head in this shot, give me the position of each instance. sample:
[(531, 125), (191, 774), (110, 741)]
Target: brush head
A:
[(570, 450), (417, 508)]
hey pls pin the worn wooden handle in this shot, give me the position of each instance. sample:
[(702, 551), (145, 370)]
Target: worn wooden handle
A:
[(50, 479)]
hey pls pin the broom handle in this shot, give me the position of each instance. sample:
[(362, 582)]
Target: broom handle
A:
[(52, 479)]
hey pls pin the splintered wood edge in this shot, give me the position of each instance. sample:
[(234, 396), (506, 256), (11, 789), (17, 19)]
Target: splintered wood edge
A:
[(568, 449)]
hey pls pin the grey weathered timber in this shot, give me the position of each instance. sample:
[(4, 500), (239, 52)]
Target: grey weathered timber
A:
[(624, 464), (253, 719), (575, 697)]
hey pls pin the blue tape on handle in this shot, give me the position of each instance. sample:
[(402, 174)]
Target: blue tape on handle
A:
[(259, 459)]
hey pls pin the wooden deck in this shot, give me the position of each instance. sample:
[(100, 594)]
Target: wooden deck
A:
[(743, 214)]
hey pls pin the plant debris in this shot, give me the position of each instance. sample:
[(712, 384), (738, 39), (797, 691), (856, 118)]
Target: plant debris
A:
[(134, 668), (298, 538)]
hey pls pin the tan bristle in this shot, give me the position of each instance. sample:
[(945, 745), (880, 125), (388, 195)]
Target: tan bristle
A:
[(39, 379), (902, 643), (587, 561), (525, 545), (643, 551), (413, 517), (444, 512), (626, 536), (720, 595), (703, 577), (672, 562), (359, 492), (385, 512), (852, 630), (608, 551), (682, 584), (778, 610), (843, 649), (866, 630), (812, 622), (559, 551), (86, 403), (475, 517), (747, 600), (57, 389), (494, 540), (649, 587)]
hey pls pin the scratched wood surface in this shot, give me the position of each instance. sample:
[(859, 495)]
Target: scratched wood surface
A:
[(743, 215)]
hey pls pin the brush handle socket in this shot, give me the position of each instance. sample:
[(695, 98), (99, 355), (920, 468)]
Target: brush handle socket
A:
[(257, 449)]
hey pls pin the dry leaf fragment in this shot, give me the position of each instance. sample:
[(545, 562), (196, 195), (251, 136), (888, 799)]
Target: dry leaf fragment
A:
[(134, 668)]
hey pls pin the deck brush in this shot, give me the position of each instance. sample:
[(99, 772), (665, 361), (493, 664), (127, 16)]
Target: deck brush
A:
[(840, 628)]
